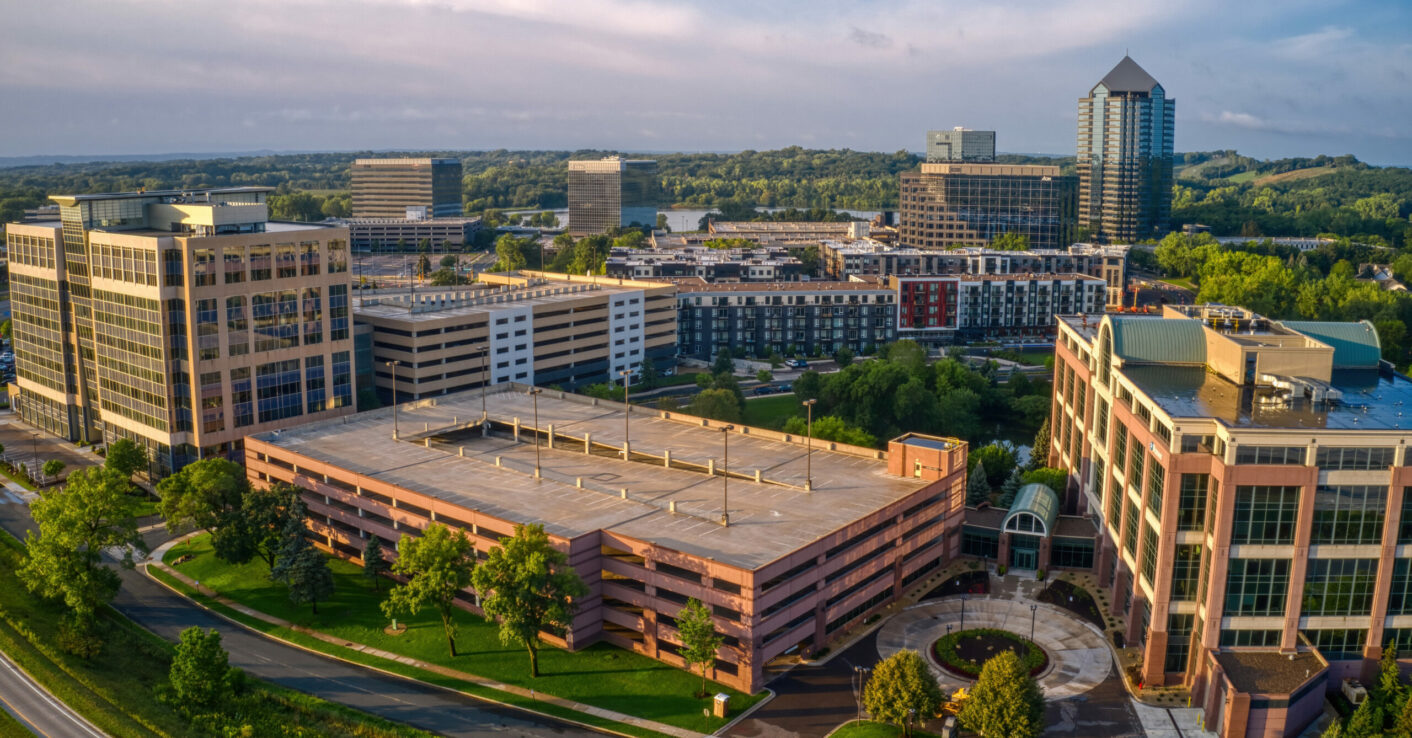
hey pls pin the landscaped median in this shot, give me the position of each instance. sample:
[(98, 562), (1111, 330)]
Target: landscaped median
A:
[(585, 686)]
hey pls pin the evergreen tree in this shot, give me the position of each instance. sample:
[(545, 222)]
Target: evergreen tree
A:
[(1039, 452), (699, 638), (1402, 728), (374, 563), (298, 565), (977, 488), (1005, 701), (1012, 486), (902, 690), (1367, 721), (1390, 692)]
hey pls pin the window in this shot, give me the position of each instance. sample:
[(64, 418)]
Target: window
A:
[(314, 384), (980, 542), (1178, 641), (286, 261), (1265, 515), (277, 390), (1257, 587), (1115, 505), (1186, 570), (337, 256), (342, 380), (1258, 638), (260, 263), (234, 257), (1348, 514), (1135, 463), (313, 316), (1337, 457), (1191, 504), (1149, 555), (237, 327), (1289, 455), (1156, 484), (1339, 587), (1404, 528), (1399, 601), (1130, 529), (1074, 553), (240, 397), (338, 312), (309, 258), (1120, 447), (1338, 645)]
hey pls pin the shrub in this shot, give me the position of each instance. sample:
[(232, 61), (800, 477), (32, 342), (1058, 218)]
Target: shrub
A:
[(1039, 575), (1034, 661), (1002, 569)]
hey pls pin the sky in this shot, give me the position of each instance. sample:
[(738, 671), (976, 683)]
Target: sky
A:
[(1270, 78)]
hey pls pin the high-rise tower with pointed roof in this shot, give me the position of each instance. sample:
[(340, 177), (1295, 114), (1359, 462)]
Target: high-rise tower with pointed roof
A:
[(1125, 156)]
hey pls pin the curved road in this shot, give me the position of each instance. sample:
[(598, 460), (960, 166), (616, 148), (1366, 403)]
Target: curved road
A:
[(422, 706), (38, 710)]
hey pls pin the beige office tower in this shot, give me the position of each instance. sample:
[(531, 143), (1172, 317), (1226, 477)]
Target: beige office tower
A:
[(182, 320), (406, 188)]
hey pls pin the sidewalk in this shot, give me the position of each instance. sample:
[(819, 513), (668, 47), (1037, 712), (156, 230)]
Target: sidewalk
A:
[(155, 559)]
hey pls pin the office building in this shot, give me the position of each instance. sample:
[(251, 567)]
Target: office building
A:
[(869, 258), (937, 311), (1252, 478), (377, 235), (1125, 156), (611, 193), (961, 145), (784, 317), (548, 329), (182, 320), (387, 188), (764, 264), (788, 542), (948, 205)]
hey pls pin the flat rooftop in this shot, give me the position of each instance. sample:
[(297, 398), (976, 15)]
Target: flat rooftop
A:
[(696, 284), (1269, 672), (437, 303), (162, 193), (769, 519)]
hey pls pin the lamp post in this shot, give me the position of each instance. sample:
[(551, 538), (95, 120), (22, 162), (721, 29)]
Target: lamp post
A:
[(1033, 608), (860, 679), (393, 366), (626, 374), (484, 380), (534, 395), (963, 611), (725, 474), (809, 445)]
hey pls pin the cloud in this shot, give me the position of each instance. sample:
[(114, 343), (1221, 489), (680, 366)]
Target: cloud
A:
[(869, 39), (1310, 46)]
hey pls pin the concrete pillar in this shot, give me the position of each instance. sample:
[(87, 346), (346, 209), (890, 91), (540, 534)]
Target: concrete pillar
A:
[(517, 430), (710, 466), (1154, 659), (551, 435), (588, 443), (757, 475), (667, 458), (627, 451), (1045, 545), (1002, 556)]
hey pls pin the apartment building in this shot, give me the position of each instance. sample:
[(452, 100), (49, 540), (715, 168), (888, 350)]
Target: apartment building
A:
[(945, 205), (611, 193), (1251, 478), (387, 188), (789, 542), (844, 260), (533, 327), (937, 311), (784, 317), (181, 319), (765, 264)]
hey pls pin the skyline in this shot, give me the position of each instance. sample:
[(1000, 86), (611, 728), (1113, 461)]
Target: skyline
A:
[(643, 75)]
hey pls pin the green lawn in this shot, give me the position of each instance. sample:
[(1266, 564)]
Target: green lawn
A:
[(599, 675), (872, 729), (677, 380), (117, 689), (11, 728), (771, 411), (1183, 282)]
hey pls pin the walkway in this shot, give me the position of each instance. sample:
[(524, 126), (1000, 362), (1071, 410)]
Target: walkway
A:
[(156, 561), (1079, 659)]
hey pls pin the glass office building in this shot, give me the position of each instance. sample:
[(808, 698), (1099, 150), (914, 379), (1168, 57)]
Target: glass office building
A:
[(1125, 156), (611, 193), (945, 205), (389, 188)]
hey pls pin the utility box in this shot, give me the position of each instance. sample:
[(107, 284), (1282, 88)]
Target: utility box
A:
[(721, 705), (948, 728)]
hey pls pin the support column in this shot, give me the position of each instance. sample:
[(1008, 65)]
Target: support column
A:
[(1154, 659)]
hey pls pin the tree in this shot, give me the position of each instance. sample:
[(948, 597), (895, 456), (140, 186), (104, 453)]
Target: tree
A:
[(831, 428), (977, 489), (53, 467), (999, 461), (264, 513), (76, 523), (764, 375), (699, 638), (423, 266), (445, 278), (1390, 691), (200, 673), (438, 566), (843, 356), (210, 494), (723, 364), (527, 586), (1010, 488), (902, 690), (1005, 701), (1051, 477), (1402, 727), (1010, 242), (1039, 450), (1366, 721), (125, 457), (448, 261), (374, 562), (299, 566), (716, 404), (648, 376)]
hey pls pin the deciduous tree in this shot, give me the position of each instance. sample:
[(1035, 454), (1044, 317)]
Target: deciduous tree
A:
[(125, 457), (200, 669), (699, 638), (902, 691), (1005, 702), (438, 566), (527, 586)]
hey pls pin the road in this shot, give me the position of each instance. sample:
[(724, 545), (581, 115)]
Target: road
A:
[(156, 608), (38, 710)]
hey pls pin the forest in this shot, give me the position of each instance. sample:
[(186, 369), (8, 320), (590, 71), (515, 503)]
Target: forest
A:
[(1231, 193)]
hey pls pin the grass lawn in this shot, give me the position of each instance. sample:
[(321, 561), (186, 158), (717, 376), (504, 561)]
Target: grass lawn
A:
[(874, 729), (676, 380), (146, 506), (600, 675), (11, 728), (1035, 358), (17, 479), (771, 411), (117, 689), (1183, 282)]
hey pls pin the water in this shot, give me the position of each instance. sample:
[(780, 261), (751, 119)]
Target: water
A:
[(689, 219)]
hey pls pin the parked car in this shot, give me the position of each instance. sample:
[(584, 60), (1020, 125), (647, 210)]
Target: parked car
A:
[(763, 389), (786, 387)]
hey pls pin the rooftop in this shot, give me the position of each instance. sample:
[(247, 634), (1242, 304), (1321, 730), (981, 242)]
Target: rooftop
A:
[(1127, 76), (437, 303), (696, 284), (1269, 672), (158, 193), (768, 519)]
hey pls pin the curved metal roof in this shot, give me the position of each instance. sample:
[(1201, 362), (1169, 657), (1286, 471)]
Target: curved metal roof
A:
[(1037, 500), (1158, 341), (1355, 344)]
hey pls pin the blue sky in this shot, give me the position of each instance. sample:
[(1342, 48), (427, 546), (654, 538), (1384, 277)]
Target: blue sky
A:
[(1271, 79)]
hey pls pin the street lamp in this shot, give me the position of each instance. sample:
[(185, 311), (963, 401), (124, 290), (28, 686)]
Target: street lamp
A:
[(534, 394), (859, 680), (1032, 611), (484, 380), (626, 374), (393, 366), (809, 445), (725, 474), (963, 611)]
